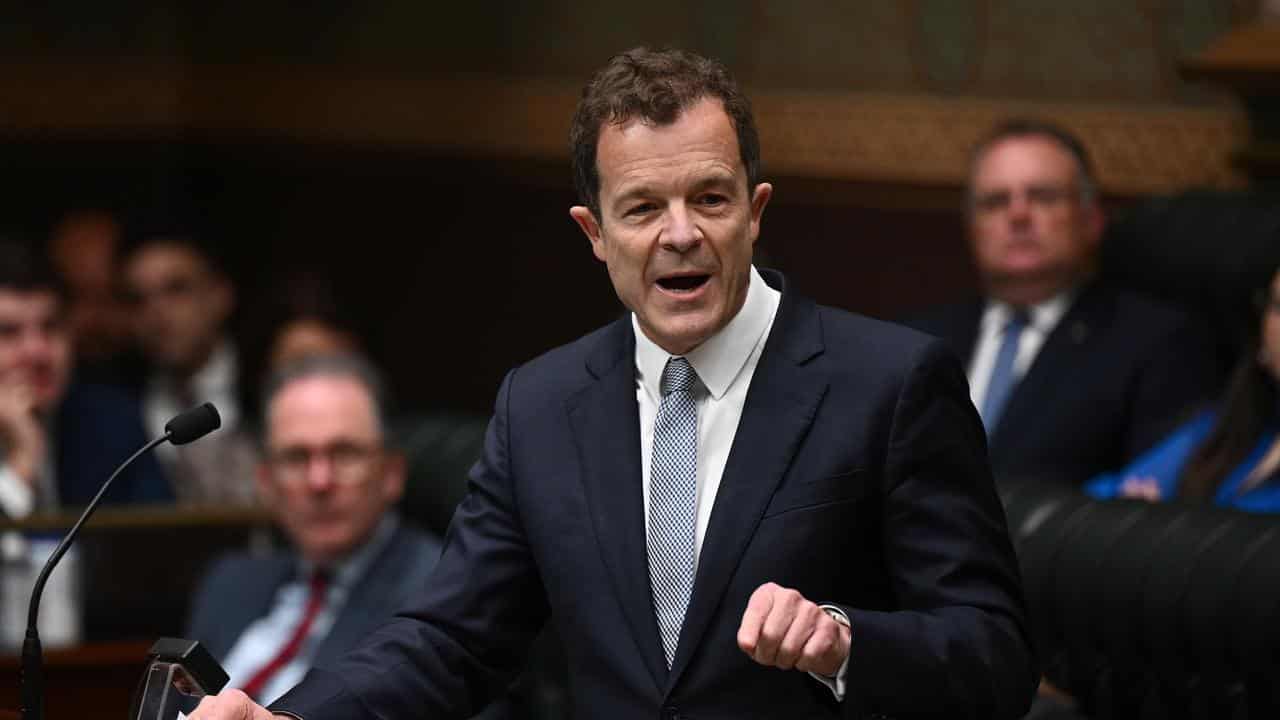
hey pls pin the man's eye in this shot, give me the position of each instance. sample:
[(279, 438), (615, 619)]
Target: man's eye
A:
[(992, 201), (640, 209), (713, 199)]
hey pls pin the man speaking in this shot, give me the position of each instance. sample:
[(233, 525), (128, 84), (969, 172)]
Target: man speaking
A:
[(732, 502)]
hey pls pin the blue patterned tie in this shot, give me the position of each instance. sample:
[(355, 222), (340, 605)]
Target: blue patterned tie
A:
[(1000, 386), (672, 501)]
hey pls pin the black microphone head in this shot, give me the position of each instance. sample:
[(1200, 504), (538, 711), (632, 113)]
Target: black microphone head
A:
[(193, 424)]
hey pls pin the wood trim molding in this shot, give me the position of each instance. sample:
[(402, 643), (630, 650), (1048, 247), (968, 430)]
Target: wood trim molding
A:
[(926, 140), (859, 137)]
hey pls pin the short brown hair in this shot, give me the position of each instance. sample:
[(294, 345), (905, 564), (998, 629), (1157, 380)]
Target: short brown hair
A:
[(1031, 127), (654, 86)]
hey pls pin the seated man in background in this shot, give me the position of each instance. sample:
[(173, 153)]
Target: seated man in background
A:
[(84, 248), (59, 440), (330, 482), (1071, 378), (181, 307)]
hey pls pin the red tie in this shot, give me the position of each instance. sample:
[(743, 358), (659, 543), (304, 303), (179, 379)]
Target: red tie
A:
[(315, 601)]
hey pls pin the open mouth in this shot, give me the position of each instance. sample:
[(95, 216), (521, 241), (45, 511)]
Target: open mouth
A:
[(683, 283)]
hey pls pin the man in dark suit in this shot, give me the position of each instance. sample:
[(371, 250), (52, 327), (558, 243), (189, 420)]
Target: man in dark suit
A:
[(58, 438), (1072, 378), (732, 502), (330, 483)]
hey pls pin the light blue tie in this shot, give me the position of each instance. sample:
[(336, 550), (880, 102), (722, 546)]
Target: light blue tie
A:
[(1000, 386), (672, 501)]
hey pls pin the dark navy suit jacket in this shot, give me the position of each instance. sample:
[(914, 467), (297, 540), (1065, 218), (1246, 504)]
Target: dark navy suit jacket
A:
[(857, 475), (96, 428), (239, 589), (1117, 373)]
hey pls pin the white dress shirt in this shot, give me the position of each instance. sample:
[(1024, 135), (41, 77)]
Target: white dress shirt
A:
[(17, 498), (215, 383), (264, 637), (1043, 318), (725, 364), (219, 469)]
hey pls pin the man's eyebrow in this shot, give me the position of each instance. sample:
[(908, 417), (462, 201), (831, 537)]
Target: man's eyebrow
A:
[(634, 192), (714, 180)]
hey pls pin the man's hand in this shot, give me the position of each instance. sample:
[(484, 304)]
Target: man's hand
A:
[(20, 431), (230, 705), (1141, 488), (782, 629)]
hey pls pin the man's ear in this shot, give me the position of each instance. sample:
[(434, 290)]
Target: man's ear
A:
[(759, 199), (266, 488), (224, 297), (590, 227), (394, 469), (1095, 223)]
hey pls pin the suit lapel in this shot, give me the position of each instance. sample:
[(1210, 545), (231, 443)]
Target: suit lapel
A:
[(963, 337), (606, 425), (1062, 350), (371, 596), (251, 601), (781, 403)]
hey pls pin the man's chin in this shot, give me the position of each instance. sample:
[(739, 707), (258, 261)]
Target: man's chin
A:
[(683, 338)]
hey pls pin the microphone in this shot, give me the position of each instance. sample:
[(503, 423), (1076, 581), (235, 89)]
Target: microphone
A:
[(193, 424), (182, 429)]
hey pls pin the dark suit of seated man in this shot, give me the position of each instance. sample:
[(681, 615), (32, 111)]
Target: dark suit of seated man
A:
[(58, 439), (731, 502), (330, 483), (1071, 378)]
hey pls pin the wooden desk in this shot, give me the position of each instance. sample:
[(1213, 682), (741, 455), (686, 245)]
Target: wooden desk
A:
[(138, 567), (90, 681)]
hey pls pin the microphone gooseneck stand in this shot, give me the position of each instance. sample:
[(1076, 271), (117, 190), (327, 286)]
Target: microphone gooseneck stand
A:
[(186, 427)]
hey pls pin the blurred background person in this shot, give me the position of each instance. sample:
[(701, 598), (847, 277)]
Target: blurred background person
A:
[(304, 317), (330, 482), (181, 304), (60, 438), (1228, 455), (84, 248), (1071, 377), (308, 336)]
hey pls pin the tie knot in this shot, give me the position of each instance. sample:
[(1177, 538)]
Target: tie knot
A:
[(318, 582), (1019, 319), (678, 376)]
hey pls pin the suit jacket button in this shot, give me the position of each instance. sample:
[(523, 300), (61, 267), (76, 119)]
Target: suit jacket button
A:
[(670, 713)]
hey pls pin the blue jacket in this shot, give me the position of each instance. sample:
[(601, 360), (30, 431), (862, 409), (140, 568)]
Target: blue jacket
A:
[(1166, 460), (96, 428)]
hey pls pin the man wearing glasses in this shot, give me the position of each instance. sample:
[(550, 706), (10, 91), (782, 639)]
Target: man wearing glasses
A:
[(1071, 377), (329, 481)]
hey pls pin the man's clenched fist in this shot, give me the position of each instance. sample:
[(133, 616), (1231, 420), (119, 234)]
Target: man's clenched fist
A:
[(782, 629)]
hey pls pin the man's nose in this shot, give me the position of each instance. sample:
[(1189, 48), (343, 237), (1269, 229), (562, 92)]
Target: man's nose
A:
[(1019, 208), (320, 473), (681, 233), (35, 345)]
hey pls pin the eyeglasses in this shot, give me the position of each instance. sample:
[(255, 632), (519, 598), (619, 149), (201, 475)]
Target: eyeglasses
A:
[(1038, 196), (348, 462)]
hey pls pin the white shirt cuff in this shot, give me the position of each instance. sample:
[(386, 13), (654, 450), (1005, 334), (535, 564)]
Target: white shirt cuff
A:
[(838, 684), (17, 499)]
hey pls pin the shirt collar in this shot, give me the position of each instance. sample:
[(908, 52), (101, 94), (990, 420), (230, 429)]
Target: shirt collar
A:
[(216, 380), (219, 373), (1043, 316), (720, 358)]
